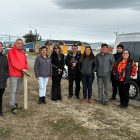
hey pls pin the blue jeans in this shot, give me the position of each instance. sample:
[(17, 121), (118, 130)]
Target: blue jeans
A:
[(42, 86), (87, 86)]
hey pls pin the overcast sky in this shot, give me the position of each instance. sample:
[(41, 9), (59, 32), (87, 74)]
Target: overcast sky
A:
[(84, 20)]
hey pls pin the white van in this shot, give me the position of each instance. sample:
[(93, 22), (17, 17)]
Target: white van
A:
[(131, 41)]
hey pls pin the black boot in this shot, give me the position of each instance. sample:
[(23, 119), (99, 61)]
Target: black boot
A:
[(40, 100), (43, 100), (1, 95), (1, 113), (17, 106)]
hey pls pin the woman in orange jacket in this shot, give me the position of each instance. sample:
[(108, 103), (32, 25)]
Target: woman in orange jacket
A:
[(123, 70)]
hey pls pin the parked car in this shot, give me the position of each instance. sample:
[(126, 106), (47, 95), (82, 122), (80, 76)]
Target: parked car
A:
[(65, 72), (131, 41), (6, 50)]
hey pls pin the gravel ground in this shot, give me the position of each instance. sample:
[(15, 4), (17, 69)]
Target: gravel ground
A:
[(69, 119)]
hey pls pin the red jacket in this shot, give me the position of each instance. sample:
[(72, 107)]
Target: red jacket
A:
[(17, 62)]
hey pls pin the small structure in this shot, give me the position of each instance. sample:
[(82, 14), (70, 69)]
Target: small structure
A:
[(66, 45), (30, 47)]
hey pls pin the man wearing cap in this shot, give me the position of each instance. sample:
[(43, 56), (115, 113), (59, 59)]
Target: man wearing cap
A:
[(104, 61), (72, 61), (117, 56)]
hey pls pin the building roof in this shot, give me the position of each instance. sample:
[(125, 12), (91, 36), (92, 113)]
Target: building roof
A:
[(67, 42)]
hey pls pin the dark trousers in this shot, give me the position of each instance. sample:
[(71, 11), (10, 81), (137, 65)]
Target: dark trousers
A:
[(124, 93), (71, 79), (1, 95), (114, 88), (56, 88), (139, 83), (87, 86)]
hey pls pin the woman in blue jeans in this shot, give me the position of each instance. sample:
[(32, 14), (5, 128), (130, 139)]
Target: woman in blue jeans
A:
[(87, 69), (43, 71)]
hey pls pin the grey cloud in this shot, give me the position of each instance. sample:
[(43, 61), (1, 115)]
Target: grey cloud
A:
[(98, 4)]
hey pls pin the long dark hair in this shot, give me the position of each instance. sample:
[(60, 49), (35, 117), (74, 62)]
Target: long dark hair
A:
[(128, 53), (91, 56), (54, 53), (122, 54)]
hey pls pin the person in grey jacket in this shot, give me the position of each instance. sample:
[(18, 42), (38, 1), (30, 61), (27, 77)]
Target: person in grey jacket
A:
[(104, 62), (87, 69), (43, 71)]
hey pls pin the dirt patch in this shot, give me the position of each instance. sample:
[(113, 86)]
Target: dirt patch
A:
[(69, 119)]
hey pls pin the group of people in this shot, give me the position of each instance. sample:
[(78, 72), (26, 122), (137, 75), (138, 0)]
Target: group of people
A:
[(118, 68)]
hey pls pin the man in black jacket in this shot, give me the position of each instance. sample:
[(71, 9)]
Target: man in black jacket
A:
[(72, 61), (117, 56)]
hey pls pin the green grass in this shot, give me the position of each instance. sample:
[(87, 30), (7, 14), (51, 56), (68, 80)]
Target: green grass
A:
[(5, 132), (68, 127)]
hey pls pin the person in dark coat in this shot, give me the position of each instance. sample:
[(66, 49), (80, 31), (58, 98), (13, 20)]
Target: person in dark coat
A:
[(123, 70), (138, 76), (87, 69), (57, 59), (3, 75), (117, 56), (72, 61)]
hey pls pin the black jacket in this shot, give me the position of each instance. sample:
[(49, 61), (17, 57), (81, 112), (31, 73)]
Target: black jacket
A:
[(87, 66), (117, 57), (128, 70), (69, 60), (57, 63), (3, 70)]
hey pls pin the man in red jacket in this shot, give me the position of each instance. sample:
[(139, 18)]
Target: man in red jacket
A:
[(17, 66)]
